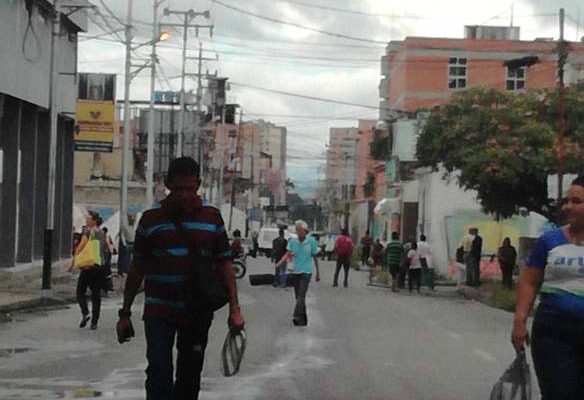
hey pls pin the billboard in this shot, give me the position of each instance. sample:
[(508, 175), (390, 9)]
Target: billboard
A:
[(95, 113), (95, 126)]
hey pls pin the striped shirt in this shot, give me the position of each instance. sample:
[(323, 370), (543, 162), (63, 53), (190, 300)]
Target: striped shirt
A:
[(393, 253), (160, 252)]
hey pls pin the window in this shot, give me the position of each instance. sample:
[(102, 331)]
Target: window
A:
[(456, 73), (516, 78)]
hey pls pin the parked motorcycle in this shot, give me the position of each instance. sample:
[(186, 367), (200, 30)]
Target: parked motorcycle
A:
[(240, 266)]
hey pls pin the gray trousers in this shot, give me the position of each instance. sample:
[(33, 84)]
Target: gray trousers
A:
[(300, 289)]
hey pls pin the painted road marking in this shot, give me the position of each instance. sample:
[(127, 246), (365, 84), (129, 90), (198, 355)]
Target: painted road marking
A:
[(484, 355)]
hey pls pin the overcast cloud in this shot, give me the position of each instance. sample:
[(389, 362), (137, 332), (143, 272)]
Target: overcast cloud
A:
[(275, 56)]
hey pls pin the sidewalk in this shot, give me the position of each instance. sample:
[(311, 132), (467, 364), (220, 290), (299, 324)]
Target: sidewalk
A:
[(14, 300)]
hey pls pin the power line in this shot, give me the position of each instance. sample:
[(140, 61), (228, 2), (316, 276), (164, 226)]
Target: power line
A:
[(346, 103), (278, 21)]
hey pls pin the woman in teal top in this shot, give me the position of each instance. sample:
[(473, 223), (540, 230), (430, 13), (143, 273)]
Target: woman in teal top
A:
[(304, 250), (558, 326)]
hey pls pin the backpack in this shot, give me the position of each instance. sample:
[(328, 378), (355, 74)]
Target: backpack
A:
[(344, 246)]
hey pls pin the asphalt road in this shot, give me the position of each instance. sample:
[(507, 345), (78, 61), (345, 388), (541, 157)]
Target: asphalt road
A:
[(361, 343)]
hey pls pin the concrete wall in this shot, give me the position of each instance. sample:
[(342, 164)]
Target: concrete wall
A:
[(24, 75)]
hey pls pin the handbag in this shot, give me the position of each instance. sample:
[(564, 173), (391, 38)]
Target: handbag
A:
[(232, 352), (515, 383), (204, 289), (90, 255)]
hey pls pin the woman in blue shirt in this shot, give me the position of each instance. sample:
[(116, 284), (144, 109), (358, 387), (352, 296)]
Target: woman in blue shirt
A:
[(558, 327), (304, 251)]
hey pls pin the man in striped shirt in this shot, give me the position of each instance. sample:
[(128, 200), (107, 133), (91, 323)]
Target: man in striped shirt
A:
[(163, 261), (393, 255)]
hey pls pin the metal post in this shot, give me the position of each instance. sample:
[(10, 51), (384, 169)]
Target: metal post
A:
[(222, 158), (53, 86), (181, 116), (199, 98), (562, 55), (152, 115), (126, 138), (231, 205)]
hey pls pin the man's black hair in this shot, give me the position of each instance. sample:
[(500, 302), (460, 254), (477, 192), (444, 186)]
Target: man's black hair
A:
[(579, 181), (345, 232), (394, 236), (182, 167), (281, 232), (237, 233), (422, 238)]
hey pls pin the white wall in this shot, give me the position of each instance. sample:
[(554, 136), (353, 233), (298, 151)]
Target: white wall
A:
[(436, 199), (405, 137)]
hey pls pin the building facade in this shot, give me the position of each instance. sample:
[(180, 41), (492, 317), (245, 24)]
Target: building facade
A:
[(25, 37)]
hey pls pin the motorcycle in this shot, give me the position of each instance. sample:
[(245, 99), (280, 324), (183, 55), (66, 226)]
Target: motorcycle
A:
[(240, 266)]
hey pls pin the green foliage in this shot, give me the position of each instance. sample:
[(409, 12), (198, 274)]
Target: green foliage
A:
[(504, 145), (383, 277), (500, 297)]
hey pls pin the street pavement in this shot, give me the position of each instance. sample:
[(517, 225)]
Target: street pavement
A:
[(362, 342)]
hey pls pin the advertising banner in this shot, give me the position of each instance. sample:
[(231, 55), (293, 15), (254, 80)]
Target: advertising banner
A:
[(95, 126)]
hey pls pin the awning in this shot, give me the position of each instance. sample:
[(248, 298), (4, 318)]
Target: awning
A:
[(388, 206)]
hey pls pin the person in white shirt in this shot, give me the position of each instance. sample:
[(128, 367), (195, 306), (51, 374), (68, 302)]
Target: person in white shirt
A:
[(426, 262), (415, 270)]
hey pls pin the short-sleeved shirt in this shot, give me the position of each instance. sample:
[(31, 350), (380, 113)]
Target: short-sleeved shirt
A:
[(304, 252), (425, 252), (161, 254), (414, 256), (393, 253), (562, 291)]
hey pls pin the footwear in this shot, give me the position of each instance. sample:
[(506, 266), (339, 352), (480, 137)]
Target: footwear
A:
[(345, 284), (335, 284), (84, 320), (93, 326)]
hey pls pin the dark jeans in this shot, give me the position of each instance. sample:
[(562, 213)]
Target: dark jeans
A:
[(427, 273), (345, 262), (190, 345), (301, 283), (414, 277), (401, 278), (473, 273), (92, 279), (558, 356), (365, 254), (507, 271)]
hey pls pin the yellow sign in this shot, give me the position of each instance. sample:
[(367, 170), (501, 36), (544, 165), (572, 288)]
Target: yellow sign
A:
[(95, 126)]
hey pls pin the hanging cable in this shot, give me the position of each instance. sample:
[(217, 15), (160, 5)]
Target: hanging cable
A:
[(29, 5)]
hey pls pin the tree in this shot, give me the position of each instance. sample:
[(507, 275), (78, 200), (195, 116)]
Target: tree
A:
[(504, 145)]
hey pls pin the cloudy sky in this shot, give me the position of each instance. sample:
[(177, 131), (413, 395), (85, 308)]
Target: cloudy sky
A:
[(337, 57)]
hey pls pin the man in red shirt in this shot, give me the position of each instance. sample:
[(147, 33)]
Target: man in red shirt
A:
[(344, 250)]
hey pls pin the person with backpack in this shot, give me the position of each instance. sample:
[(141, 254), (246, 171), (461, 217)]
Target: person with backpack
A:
[(176, 250), (344, 250)]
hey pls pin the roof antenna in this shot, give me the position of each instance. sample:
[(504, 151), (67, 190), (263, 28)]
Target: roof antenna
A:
[(511, 15)]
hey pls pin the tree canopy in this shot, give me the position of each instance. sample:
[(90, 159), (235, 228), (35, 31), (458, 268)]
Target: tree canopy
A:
[(504, 145)]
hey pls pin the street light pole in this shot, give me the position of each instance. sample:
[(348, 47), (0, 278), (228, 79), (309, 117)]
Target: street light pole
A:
[(126, 138), (152, 115), (562, 57), (54, 116), (181, 116)]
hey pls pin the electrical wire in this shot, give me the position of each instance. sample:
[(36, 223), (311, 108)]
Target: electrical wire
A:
[(295, 25), (30, 30)]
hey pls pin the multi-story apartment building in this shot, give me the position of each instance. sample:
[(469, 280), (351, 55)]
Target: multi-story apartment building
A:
[(420, 73)]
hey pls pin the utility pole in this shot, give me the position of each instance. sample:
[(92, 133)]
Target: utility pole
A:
[(188, 16), (152, 112), (232, 201), (562, 49), (127, 117), (53, 85), (198, 102)]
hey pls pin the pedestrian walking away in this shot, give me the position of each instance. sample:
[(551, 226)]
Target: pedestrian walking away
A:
[(393, 257), (377, 253), (279, 245), (554, 269), (91, 277), (176, 246), (304, 250), (466, 244), (366, 243), (507, 256), (344, 250), (415, 268), (476, 251), (426, 262)]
